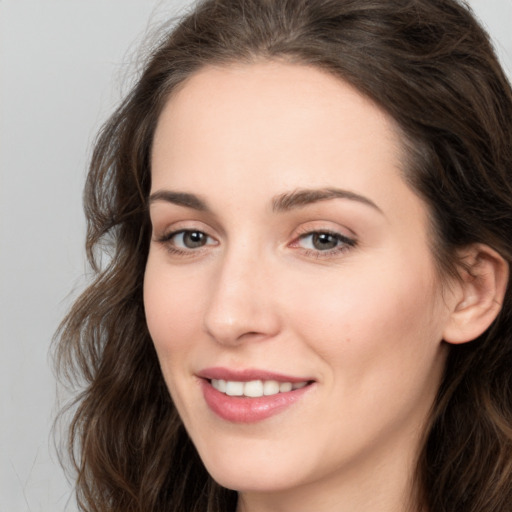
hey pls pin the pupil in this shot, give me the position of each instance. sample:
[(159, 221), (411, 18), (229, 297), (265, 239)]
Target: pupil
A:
[(194, 239), (323, 241)]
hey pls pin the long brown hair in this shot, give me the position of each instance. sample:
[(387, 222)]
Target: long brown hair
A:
[(431, 66)]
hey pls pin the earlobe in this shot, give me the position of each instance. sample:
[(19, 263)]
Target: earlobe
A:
[(480, 294)]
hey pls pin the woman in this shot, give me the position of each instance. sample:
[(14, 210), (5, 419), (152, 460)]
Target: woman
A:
[(307, 208)]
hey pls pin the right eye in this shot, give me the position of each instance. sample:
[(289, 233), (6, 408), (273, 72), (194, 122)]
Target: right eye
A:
[(188, 239)]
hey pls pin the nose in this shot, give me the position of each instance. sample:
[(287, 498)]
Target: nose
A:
[(241, 303)]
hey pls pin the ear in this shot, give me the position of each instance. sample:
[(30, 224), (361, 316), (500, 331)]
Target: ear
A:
[(478, 294)]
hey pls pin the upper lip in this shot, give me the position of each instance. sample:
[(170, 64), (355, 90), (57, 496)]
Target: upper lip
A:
[(248, 374)]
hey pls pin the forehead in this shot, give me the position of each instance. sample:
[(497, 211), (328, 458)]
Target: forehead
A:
[(244, 112), (258, 129)]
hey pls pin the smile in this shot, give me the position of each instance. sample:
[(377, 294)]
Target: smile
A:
[(250, 396), (255, 388)]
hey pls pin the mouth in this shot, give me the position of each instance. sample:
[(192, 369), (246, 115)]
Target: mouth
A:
[(249, 396), (255, 388)]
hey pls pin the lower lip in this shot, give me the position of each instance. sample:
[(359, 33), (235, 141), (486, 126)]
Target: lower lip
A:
[(240, 409)]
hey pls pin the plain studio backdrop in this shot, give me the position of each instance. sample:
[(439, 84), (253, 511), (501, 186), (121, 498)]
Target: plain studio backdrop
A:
[(64, 65)]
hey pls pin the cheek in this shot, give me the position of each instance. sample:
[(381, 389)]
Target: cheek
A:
[(172, 305), (380, 319), (379, 341)]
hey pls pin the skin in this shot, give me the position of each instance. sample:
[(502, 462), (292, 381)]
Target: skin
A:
[(364, 320)]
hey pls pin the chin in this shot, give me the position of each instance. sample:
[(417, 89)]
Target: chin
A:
[(261, 474), (252, 482)]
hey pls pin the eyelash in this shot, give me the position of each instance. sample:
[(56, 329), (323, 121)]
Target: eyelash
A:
[(344, 243), (167, 240)]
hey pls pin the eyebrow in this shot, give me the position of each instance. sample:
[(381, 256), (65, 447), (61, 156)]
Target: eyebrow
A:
[(303, 197), (180, 199), (281, 203)]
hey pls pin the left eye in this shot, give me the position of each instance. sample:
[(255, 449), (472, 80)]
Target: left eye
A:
[(324, 241)]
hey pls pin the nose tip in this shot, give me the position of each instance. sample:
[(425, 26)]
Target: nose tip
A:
[(232, 330), (239, 309)]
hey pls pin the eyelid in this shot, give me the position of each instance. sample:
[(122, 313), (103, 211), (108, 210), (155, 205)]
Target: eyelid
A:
[(325, 226), (336, 234), (164, 234), (345, 237), (165, 216), (171, 234), (162, 230), (346, 241)]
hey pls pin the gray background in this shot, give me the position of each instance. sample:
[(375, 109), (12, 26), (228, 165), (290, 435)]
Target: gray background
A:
[(64, 64)]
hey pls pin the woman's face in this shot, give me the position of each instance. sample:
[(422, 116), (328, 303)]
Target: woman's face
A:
[(290, 259)]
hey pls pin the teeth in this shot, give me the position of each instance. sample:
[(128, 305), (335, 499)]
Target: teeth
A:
[(270, 387), (255, 388), (285, 386), (234, 388)]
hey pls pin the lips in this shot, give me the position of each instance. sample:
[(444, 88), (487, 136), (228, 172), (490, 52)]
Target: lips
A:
[(249, 396)]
